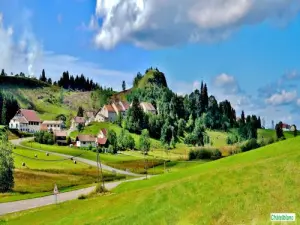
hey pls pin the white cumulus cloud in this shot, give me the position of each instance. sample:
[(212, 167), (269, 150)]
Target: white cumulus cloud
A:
[(282, 98), (160, 23), (226, 82)]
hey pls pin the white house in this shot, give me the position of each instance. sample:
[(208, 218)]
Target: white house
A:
[(76, 121), (26, 120), (90, 117), (85, 140), (107, 113), (53, 125), (148, 107), (102, 133), (120, 107)]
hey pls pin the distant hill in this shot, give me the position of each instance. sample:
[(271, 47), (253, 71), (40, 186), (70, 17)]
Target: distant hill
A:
[(152, 77), (49, 101)]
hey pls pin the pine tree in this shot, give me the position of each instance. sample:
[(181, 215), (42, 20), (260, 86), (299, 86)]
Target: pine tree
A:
[(123, 85), (80, 112), (3, 73), (49, 81), (4, 112), (205, 97), (243, 118)]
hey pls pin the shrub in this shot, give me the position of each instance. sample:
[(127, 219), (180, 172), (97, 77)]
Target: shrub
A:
[(90, 147), (270, 141), (203, 153), (249, 145), (232, 139), (216, 154), (82, 196), (100, 189)]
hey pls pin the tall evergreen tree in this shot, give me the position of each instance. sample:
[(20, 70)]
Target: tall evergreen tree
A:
[(43, 76), (3, 73), (80, 111), (3, 113), (49, 81), (123, 85), (205, 97)]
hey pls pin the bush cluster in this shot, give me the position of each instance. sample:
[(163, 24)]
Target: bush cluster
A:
[(203, 153)]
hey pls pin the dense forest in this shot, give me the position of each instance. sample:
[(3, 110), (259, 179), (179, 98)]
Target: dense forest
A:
[(185, 116), (8, 107)]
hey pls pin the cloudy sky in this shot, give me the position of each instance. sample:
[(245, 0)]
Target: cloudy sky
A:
[(247, 51)]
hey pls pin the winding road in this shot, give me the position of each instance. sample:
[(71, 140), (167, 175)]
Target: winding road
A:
[(10, 207), (16, 206), (86, 161)]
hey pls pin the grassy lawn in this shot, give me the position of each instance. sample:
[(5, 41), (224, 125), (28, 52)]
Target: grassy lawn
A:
[(268, 133), (241, 189), (119, 161), (37, 177)]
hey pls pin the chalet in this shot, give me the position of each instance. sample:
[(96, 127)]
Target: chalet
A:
[(286, 127), (76, 121), (101, 141), (60, 137), (148, 107), (85, 140), (102, 133), (52, 125), (26, 120), (107, 113), (90, 117)]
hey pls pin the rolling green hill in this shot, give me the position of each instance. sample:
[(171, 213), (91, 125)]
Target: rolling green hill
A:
[(241, 189), (48, 101)]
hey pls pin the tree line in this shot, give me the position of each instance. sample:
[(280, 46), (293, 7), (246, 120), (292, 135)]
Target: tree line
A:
[(185, 116), (8, 107)]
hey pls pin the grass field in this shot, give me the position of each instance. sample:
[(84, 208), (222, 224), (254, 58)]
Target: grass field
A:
[(37, 177), (241, 189), (119, 161)]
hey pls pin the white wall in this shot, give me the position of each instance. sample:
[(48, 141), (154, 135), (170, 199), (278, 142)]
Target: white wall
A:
[(85, 144)]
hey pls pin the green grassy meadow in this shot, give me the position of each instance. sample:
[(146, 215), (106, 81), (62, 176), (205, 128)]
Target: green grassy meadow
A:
[(240, 189), (37, 177)]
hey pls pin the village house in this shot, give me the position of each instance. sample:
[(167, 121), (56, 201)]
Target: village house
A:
[(25, 120), (76, 121), (85, 141), (286, 127), (148, 107), (90, 117), (107, 113), (52, 125), (120, 107), (60, 137), (102, 133)]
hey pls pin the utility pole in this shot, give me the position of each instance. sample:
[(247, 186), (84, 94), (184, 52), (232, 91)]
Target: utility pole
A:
[(99, 165)]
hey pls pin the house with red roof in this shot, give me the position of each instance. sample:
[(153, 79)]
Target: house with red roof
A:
[(102, 133), (26, 120), (106, 113), (76, 121)]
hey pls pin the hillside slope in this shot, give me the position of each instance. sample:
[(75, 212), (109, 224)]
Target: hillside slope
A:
[(241, 189), (50, 101)]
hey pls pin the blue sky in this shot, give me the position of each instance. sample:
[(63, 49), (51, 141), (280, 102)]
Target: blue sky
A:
[(248, 52)]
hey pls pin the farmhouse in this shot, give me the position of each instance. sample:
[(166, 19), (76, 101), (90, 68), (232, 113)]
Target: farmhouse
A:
[(52, 125), (107, 113), (60, 137), (120, 107), (148, 107), (76, 121), (286, 127), (90, 117), (85, 140), (102, 133), (25, 120)]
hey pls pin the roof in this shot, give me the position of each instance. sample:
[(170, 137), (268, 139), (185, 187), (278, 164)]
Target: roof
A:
[(90, 114), (56, 122), (104, 131), (78, 119), (284, 125), (21, 119), (101, 141), (125, 104), (44, 127), (148, 106), (109, 108), (60, 133), (119, 107), (86, 137), (30, 115)]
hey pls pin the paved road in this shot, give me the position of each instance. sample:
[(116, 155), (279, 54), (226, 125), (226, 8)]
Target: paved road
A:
[(86, 161), (16, 206)]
